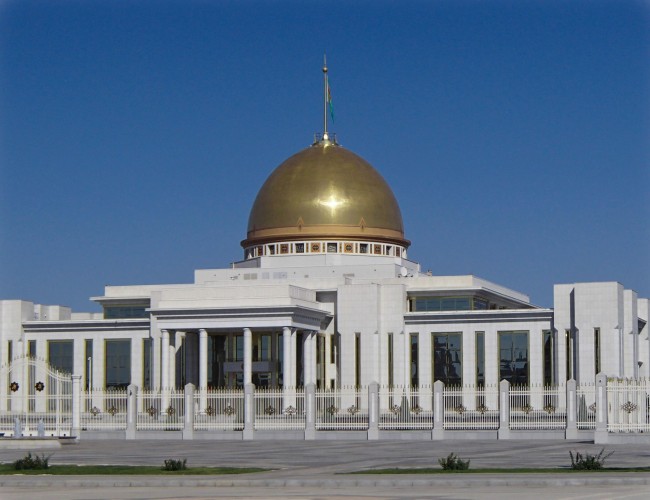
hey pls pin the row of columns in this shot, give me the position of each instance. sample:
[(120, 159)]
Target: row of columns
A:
[(289, 346)]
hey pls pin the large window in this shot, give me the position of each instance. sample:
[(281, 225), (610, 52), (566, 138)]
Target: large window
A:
[(115, 312), (447, 358), (549, 357), (59, 354), (118, 363), (480, 359), (447, 303), (415, 350), (513, 357), (147, 345)]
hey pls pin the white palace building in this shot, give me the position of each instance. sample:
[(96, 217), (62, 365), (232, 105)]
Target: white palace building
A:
[(326, 298)]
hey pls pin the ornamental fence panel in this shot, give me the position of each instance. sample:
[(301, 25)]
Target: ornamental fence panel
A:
[(538, 407), (37, 397), (403, 408), (219, 409), (471, 407), (161, 409), (279, 409), (343, 408), (628, 404), (104, 409), (586, 417)]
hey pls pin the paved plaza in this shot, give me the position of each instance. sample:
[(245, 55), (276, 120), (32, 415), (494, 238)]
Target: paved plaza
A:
[(316, 469)]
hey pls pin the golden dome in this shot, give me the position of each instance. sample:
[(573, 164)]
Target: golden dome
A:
[(325, 192)]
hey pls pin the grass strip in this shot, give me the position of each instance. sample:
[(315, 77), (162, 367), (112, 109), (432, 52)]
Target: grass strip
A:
[(120, 470), (554, 470)]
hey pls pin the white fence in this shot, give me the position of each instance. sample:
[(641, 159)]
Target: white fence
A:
[(279, 409), (471, 408), (219, 409), (538, 407), (586, 418), (160, 410), (628, 403), (103, 409), (405, 408), (342, 409)]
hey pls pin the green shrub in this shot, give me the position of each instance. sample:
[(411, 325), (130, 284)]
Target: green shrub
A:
[(172, 464), (453, 462), (587, 461), (30, 462)]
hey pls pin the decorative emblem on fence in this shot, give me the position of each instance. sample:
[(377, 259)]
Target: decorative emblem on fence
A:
[(152, 411), (112, 411), (549, 408), (170, 411), (416, 409), (291, 411), (353, 410), (269, 410), (592, 407), (39, 386), (94, 411), (394, 409), (332, 410), (14, 386), (209, 411), (629, 407), (229, 410), (460, 409), (527, 408), (482, 409)]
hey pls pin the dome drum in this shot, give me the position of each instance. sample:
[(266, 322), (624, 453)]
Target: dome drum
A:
[(325, 193)]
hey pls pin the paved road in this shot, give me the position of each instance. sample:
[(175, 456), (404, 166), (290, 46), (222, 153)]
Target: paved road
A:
[(313, 470)]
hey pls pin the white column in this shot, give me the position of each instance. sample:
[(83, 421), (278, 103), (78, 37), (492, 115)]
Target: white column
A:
[(172, 366), (203, 369), (164, 360), (248, 356), (203, 359), (286, 357), (376, 368)]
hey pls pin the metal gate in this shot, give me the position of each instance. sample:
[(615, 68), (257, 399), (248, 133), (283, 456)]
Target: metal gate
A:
[(35, 399)]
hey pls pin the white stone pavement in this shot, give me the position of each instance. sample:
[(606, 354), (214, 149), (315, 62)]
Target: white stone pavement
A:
[(317, 469)]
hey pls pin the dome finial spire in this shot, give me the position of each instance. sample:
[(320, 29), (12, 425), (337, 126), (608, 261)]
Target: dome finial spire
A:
[(326, 97)]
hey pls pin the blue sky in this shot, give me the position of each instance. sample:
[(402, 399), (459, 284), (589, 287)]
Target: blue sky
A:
[(134, 135)]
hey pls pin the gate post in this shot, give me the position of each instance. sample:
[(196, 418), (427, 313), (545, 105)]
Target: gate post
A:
[(571, 410), (504, 410), (249, 411), (373, 411), (76, 407), (600, 435), (438, 431), (131, 411), (310, 411), (188, 421)]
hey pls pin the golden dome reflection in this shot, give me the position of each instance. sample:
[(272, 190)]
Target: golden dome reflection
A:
[(323, 192)]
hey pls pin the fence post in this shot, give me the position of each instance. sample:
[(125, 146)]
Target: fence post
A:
[(249, 411), (373, 411), (571, 410), (310, 411), (188, 419), (600, 435), (504, 410), (131, 411), (76, 406), (438, 431)]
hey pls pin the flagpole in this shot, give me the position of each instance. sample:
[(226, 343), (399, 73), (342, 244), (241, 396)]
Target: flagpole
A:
[(326, 84)]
